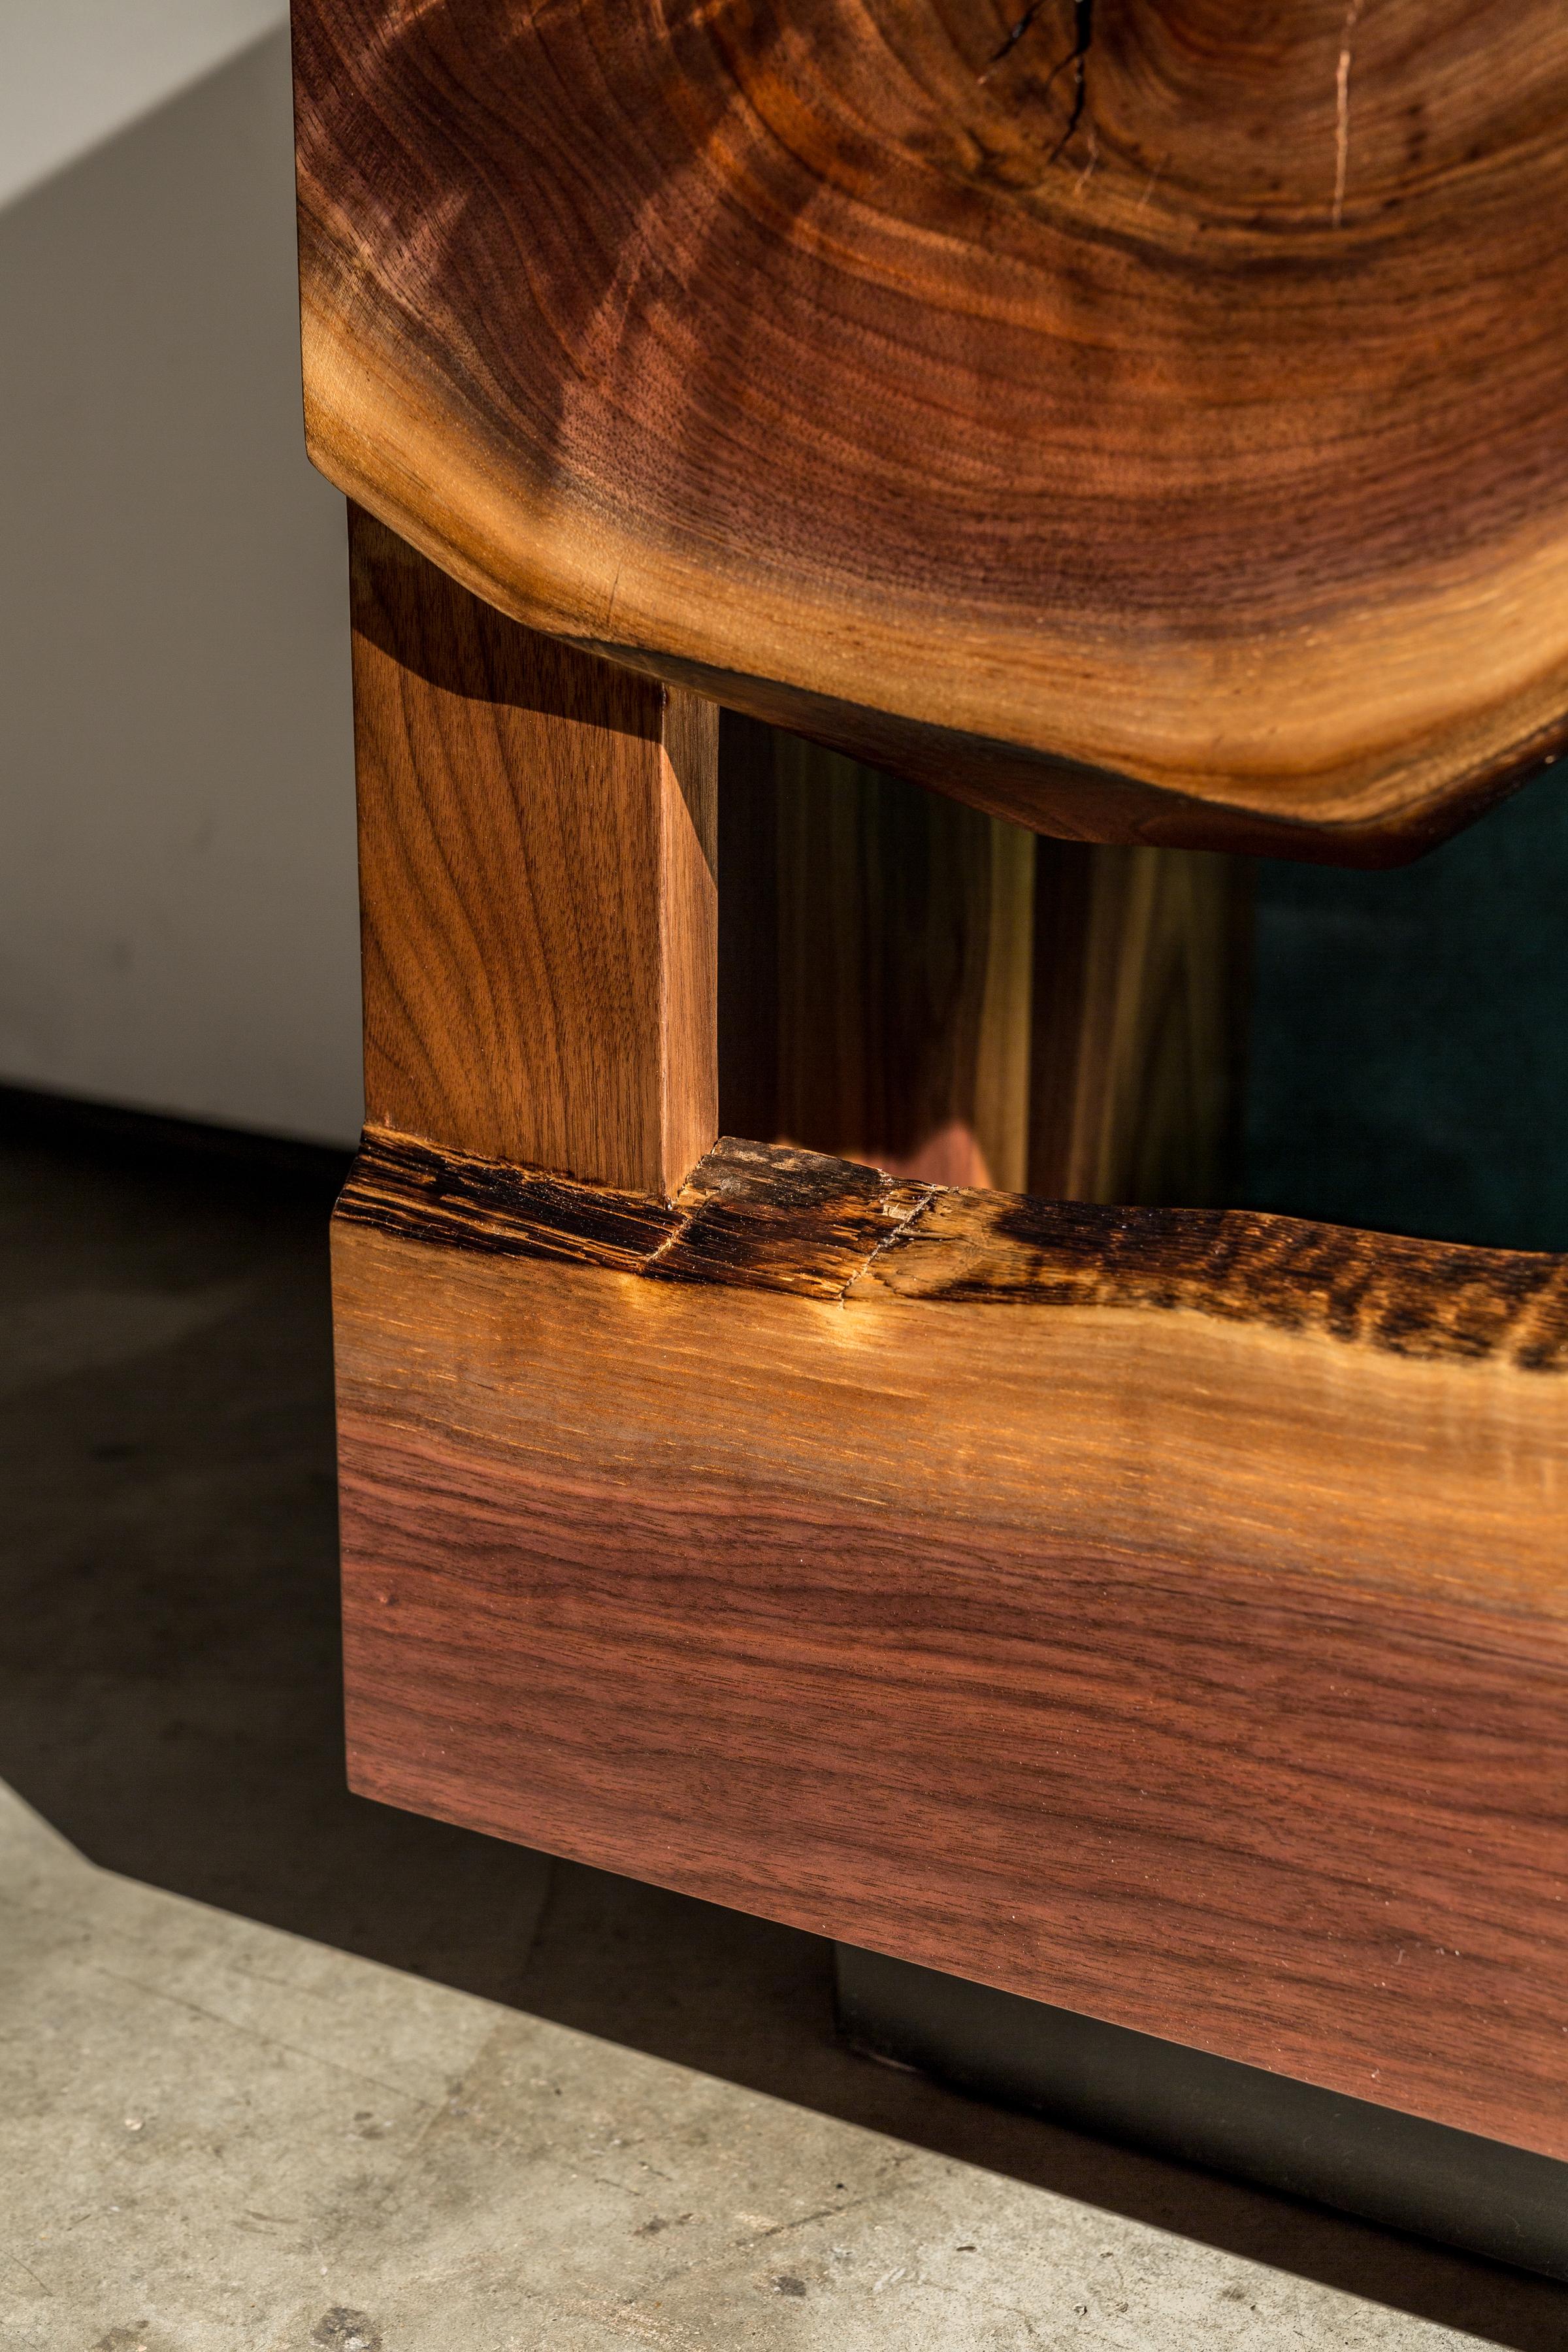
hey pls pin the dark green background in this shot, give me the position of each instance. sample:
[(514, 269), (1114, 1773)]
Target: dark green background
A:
[(1409, 1060)]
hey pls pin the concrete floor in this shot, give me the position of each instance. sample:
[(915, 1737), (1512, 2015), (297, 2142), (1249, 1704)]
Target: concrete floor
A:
[(281, 2068)]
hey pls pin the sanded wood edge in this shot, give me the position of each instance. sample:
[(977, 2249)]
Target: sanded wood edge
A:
[(1375, 812), (1043, 791), (1436, 796), (762, 1216)]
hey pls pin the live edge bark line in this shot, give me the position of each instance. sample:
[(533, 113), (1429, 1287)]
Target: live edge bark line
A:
[(1159, 1613)]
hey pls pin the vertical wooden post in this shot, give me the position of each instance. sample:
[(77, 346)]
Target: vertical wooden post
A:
[(876, 982), (1139, 1024), (539, 906), (909, 983)]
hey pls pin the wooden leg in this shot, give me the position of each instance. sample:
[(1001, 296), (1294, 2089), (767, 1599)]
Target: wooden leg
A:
[(876, 952), (538, 909), (1140, 1018), (910, 984)]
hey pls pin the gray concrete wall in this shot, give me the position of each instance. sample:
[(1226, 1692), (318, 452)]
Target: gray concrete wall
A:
[(177, 908)]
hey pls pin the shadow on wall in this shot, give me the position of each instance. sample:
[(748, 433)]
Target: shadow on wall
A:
[(178, 925), (1409, 1067)]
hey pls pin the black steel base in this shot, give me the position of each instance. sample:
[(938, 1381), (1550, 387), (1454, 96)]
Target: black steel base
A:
[(1479, 2194)]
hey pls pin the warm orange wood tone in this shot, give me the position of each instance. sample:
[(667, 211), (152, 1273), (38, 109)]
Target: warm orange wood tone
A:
[(1144, 424), (537, 844), (1161, 1613), (1145, 421), (1140, 1016)]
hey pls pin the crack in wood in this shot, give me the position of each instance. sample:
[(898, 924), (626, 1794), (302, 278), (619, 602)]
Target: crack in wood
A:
[(1083, 39), (1076, 59)]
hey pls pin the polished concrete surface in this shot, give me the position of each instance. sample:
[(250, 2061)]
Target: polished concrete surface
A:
[(281, 2068)]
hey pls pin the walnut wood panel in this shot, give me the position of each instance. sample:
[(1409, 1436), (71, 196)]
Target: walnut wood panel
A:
[(876, 958), (537, 903), (1158, 1613), (1145, 421), (908, 982), (1140, 1018)]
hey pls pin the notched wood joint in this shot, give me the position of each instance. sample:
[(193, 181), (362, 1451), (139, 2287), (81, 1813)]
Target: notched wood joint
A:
[(754, 1215), (768, 1217)]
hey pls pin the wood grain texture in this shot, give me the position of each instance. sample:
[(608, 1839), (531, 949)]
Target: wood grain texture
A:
[(1140, 1018), (876, 959), (906, 982), (538, 904), (1157, 1612), (1157, 440)]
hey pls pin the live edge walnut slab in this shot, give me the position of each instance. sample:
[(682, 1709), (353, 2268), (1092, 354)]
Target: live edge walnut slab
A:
[(1144, 418), (1158, 1613)]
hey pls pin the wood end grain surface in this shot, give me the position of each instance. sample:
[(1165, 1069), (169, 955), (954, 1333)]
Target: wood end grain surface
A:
[(1149, 426)]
